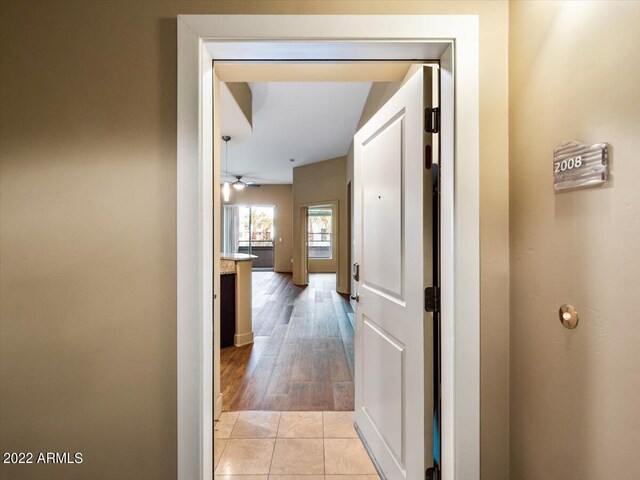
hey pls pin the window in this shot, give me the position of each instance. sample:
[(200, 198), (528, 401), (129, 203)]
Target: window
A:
[(320, 232), (250, 229), (256, 227)]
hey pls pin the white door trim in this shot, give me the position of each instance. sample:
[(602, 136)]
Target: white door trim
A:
[(321, 36)]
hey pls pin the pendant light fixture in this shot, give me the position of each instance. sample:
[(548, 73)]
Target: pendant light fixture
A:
[(226, 188)]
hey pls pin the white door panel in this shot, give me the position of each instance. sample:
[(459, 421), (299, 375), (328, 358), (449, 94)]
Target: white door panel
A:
[(392, 244), (382, 208), (383, 353)]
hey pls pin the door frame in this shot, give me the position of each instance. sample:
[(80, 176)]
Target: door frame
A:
[(335, 234), (454, 39)]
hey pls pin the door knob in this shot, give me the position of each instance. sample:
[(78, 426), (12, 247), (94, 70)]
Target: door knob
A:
[(356, 297)]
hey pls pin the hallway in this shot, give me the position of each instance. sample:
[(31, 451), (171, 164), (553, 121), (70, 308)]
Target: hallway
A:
[(302, 355)]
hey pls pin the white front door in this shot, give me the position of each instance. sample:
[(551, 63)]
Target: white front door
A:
[(393, 233)]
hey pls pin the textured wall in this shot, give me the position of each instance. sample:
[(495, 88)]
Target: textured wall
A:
[(574, 74), (87, 244)]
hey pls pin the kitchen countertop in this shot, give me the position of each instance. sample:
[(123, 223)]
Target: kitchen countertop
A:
[(227, 267), (237, 257)]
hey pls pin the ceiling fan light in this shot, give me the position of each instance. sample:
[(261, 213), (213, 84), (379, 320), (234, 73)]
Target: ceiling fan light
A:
[(238, 185), (226, 192)]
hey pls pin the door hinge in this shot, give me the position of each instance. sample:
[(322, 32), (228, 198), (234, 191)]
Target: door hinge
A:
[(432, 299), (432, 120), (433, 473)]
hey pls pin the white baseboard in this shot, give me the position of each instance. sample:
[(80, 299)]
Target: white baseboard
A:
[(243, 339), (217, 408)]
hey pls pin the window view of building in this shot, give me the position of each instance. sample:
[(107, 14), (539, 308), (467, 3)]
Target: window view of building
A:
[(319, 232)]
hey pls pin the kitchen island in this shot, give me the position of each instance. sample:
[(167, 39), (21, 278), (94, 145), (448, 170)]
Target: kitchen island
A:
[(235, 299)]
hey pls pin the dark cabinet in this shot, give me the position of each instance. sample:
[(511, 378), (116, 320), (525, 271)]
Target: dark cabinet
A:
[(227, 309)]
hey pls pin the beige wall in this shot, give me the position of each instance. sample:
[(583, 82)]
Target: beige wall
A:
[(379, 94), (88, 208), (282, 197), (322, 183), (575, 75), (243, 96)]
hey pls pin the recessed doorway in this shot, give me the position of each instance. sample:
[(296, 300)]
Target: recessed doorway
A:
[(321, 240), (202, 38), (297, 346)]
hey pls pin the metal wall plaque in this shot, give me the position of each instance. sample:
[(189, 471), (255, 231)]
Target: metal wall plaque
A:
[(578, 165)]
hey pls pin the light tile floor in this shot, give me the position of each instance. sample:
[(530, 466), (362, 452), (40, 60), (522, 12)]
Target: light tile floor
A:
[(289, 446)]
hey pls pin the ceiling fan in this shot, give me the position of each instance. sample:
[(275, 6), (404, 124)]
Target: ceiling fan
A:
[(240, 185)]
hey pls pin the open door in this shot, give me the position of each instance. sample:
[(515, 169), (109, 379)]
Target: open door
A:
[(394, 258)]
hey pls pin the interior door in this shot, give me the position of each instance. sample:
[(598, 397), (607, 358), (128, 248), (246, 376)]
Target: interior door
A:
[(393, 240)]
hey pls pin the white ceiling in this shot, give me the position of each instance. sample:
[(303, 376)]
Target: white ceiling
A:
[(306, 121)]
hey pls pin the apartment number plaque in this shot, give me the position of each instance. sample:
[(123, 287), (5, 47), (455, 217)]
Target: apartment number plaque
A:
[(578, 165)]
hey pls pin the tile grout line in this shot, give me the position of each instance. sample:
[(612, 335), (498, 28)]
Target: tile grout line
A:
[(226, 443), (274, 444), (324, 458)]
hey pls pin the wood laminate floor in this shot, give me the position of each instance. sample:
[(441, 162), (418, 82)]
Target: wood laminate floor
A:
[(302, 355)]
